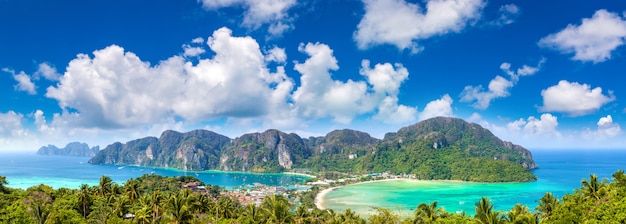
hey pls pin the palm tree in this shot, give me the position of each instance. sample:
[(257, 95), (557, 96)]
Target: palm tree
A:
[(619, 178), (156, 204), (251, 214), (104, 189), (302, 215), (593, 188), (131, 189), (350, 217), (101, 211), (38, 205), (276, 209), (484, 208), (521, 214), (178, 208), (84, 198), (427, 213), (547, 204)]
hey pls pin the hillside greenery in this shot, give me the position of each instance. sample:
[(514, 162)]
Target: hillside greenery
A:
[(439, 148), (157, 199)]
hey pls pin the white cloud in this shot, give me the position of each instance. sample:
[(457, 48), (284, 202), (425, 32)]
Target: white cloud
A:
[(403, 24), (24, 83), (321, 96), (11, 125), (273, 13), (385, 81), (508, 15), (606, 129), (498, 87), (48, 71), (116, 88), (191, 51), (595, 39), (276, 54), (573, 99), (440, 107), (197, 40)]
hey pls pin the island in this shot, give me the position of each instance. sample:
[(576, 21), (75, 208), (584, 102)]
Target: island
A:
[(71, 149), (441, 148)]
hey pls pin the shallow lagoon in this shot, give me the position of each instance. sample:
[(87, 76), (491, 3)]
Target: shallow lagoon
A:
[(560, 173)]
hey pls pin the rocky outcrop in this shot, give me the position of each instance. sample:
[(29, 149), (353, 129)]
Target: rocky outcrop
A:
[(71, 149), (341, 150)]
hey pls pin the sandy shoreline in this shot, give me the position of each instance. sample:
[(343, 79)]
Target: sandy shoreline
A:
[(299, 174), (319, 198)]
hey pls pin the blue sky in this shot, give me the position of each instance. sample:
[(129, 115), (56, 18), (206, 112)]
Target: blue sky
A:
[(545, 75)]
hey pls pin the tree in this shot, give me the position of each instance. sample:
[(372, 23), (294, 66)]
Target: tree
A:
[(178, 208), (484, 208), (38, 205), (384, 215), (101, 211), (276, 209), (131, 190), (84, 198), (3, 182), (105, 188), (619, 178), (520, 214), (547, 205), (348, 216), (427, 213), (593, 188)]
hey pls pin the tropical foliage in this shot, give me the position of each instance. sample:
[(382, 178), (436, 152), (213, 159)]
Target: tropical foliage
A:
[(141, 200)]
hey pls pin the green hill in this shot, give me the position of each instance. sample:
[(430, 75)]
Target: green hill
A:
[(437, 148)]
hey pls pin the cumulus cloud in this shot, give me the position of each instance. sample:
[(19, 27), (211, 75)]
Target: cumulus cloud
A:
[(574, 99), (403, 24), (321, 96), (595, 39), (545, 125), (606, 128), (277, 54), (385, 81), (273, 13), (498, 87), (116, 88), (47, 71), (24, 83), (439, 107), (11, 125)]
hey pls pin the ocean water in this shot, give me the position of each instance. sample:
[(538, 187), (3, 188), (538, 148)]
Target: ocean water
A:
[(26, 170), (560, 172)]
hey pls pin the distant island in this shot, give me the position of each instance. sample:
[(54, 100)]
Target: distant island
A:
[(441, 148), (71, 149)]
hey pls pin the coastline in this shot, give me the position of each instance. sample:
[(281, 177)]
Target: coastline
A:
[(319, 198)]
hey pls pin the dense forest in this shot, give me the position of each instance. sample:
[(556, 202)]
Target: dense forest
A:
[(156, 199)]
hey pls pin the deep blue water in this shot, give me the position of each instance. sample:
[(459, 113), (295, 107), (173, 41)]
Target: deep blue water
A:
[(23, 171)]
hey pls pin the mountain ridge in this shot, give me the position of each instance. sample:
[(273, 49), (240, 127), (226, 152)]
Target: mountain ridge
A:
[(418, 149)]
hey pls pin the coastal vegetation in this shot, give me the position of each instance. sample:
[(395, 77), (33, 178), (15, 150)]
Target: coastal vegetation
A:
[(441, 148), (157, 199)]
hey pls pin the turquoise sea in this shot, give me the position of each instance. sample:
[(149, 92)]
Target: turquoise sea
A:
[(560, 172), (26, 170)]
